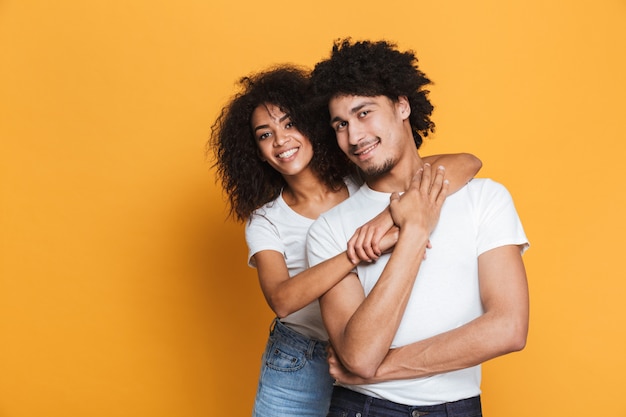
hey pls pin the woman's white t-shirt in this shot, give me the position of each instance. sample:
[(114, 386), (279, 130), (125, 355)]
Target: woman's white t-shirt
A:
[(275, 226)]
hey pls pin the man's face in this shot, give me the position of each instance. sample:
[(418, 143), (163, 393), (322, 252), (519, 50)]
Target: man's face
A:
[(371, 131)]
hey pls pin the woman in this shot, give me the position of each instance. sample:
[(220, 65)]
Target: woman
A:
[(280, 175)]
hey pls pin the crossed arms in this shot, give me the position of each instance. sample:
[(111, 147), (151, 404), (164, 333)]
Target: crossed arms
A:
[(362, 328)]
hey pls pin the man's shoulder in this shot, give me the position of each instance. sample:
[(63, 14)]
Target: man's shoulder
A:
[(479, 183), (486, 194), (483, 186)]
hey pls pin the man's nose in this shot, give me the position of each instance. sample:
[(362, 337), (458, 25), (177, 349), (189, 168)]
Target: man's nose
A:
[(355, 133)]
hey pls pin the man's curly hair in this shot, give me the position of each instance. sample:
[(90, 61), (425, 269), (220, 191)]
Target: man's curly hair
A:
[(368, 68), (249, 182)]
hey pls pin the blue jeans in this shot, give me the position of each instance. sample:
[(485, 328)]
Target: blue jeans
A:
[(294, 377), (348, 403)]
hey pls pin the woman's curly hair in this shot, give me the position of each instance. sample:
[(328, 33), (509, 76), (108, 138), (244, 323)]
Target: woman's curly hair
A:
[(248, 181), (371, 69)]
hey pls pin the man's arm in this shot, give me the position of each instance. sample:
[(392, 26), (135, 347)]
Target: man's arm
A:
[(361, 328), (500, 330)]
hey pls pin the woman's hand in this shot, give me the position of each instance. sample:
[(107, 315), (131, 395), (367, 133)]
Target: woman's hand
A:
[(373, 239)]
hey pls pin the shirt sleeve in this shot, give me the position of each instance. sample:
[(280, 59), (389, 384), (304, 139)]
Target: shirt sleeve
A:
[(262, 234), (498, 221), (322, 243)]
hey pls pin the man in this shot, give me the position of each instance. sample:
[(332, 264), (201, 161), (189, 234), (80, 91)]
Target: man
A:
[(411, 332)]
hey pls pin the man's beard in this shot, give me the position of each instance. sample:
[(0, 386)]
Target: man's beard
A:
[(380, 170)]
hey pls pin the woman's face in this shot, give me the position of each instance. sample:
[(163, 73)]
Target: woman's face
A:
[(280, 143)]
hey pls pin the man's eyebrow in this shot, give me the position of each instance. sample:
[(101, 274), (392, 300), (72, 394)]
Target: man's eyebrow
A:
[(353, 110), (335, 119)]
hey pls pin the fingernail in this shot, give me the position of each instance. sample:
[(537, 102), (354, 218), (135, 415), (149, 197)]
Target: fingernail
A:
[(441, 167)]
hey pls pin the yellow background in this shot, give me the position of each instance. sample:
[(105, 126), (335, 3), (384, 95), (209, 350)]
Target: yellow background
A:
[(124, 291)]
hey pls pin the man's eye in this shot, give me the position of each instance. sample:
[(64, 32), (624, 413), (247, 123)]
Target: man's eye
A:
[(341, 125), (363, 113)]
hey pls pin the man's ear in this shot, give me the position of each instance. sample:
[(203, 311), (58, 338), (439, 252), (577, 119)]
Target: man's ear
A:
[(404, 107)]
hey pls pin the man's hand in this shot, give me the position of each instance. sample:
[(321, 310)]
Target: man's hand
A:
[(421, 204), (380, 234), (339, 372)]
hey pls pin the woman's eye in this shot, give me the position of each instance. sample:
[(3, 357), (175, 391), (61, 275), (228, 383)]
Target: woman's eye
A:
[(264, 136), (289, 125)]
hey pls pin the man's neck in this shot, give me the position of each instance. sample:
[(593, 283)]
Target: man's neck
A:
[(399, 177)]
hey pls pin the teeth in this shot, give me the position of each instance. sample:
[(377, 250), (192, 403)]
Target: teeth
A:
[(366, 150), (288, 153)]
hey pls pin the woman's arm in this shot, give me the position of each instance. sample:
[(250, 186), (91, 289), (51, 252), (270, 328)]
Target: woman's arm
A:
[(286, 295), (460, 168)]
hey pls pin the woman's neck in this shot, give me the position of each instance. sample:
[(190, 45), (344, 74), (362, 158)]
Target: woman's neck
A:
[(309, 196)]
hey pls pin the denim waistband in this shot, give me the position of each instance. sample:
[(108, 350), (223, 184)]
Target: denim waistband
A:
[(344, 397), (282, 332)]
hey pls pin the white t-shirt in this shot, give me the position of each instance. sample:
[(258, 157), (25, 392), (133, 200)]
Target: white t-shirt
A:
[(479, 217), (275, 226)]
